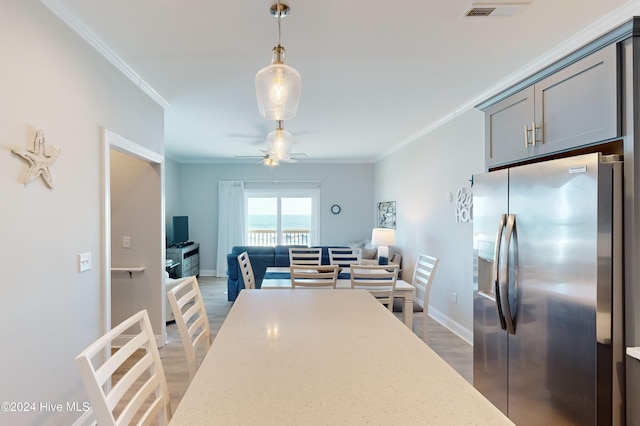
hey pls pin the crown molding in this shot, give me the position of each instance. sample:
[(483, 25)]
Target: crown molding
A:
[(76, 24)]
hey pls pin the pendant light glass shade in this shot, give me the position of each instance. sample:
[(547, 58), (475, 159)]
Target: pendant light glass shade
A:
[(279, 144), (278, 88)]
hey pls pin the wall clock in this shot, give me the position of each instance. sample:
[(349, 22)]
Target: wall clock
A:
[(335, 209)]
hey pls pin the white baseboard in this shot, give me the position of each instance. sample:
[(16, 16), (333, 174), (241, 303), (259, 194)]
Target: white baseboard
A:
[(453, 326), (207, 272)]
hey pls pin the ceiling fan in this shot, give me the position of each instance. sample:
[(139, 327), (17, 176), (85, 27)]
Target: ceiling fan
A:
[(271, 160), (279, 144)]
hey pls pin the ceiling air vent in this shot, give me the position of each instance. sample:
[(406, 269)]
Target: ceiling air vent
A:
[(481, 10)]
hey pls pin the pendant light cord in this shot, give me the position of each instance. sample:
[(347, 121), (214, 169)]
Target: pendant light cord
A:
[(279, 12)]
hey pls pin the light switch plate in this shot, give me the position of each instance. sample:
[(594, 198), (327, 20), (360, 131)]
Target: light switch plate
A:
[(84, 262), (126, 242)]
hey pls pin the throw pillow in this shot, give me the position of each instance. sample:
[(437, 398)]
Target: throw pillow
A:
[(356, 245), (369, 253)]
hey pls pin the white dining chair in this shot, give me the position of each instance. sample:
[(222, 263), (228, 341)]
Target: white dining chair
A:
[(305, 256), (379, 280), (247, 271), (345, 256), (141, 395), (191, 319), (313, 276), (422, 280)]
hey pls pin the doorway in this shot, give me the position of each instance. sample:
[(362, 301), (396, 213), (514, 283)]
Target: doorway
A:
[(133, 233)]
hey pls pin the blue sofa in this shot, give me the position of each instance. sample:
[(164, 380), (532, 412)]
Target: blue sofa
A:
[(261, 257)]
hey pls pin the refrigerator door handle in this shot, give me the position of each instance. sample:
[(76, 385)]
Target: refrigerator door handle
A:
[(508, 290), (495, 277)]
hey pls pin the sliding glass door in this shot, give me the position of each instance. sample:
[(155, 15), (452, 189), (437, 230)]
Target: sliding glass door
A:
[(284, 217)]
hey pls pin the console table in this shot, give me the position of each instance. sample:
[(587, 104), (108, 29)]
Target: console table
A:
[(187, 258)]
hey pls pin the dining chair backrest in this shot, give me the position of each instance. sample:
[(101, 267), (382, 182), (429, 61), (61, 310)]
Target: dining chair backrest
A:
[(191, 319), (314, 276), (423, 274), (379, 280), (305, 256), (345, 256), (247, 271), (141, 395)]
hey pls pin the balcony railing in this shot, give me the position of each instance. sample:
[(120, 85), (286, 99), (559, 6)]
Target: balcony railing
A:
[(268, 237)]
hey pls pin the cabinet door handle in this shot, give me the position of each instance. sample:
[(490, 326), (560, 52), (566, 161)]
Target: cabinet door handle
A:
[(534, 132), (534, 129)]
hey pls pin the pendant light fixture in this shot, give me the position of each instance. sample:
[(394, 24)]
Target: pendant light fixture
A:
[(279, 143), (278, 85)]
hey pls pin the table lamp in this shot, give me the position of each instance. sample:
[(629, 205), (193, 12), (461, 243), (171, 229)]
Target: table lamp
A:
[(383, 238)]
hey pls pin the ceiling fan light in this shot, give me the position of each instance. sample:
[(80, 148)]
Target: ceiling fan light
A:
[(278, 89), (279, 144), (270, 162)]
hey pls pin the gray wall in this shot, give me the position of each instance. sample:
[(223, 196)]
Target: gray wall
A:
[(419, 177), (350, 185), (54, 81)]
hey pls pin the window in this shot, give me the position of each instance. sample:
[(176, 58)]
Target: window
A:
[(282, 217)]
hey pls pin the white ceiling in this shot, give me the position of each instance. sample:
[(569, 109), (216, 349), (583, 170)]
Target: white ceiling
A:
[(375, 74)]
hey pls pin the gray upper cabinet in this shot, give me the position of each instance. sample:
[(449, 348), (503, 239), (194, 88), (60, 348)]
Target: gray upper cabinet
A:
[(505, 124), (576, 106)]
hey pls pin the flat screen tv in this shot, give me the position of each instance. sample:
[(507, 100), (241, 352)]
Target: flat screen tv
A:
[(180, 229)]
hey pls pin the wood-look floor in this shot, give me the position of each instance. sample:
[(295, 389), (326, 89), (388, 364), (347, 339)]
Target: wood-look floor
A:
[(455, 351)]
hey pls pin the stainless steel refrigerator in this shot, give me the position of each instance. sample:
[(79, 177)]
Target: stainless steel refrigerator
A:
[(548, 344)]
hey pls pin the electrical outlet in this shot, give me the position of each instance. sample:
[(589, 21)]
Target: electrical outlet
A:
[(454, 297), (126, 242)]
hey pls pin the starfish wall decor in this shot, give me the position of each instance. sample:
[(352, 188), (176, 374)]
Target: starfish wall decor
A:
[(39, 159)]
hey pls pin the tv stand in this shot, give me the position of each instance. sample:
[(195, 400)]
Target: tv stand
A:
[(188, 258)]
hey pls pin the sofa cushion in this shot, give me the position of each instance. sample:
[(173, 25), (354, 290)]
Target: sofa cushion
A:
[(260, 257), (252, 250)]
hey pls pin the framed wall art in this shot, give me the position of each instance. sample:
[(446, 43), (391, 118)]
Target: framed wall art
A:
[(387, 214)]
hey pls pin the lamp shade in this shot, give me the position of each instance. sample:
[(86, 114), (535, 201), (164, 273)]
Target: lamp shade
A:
[(279, 143), (278, 89), (383, 236)]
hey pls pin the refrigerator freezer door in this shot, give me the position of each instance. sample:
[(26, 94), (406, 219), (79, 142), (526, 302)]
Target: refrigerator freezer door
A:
[(489, 339), (552, 356)]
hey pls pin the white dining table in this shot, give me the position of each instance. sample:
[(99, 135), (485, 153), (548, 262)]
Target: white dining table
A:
[(318, 357), (403, 290)]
